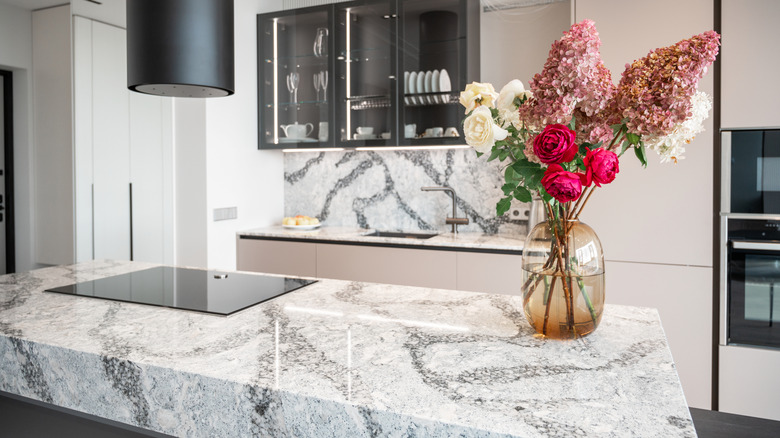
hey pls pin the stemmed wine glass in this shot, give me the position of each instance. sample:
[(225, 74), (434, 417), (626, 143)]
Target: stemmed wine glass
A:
[(324, 84), (317, 83), (292, 85)]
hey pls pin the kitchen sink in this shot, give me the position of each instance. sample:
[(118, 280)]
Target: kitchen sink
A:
[(401, 234)]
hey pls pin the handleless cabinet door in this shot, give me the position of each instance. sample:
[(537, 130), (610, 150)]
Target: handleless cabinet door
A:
[(408, 267), (484, 272), (277, 257), (111, 145)]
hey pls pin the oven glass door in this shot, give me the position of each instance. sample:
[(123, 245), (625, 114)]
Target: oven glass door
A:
[(754, 293)]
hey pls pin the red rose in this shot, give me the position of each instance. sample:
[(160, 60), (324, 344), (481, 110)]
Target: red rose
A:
[(555, 144), (562, 185), (601, 166)]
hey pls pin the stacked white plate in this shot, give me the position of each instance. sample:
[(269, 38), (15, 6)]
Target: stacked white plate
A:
[(419, 82)]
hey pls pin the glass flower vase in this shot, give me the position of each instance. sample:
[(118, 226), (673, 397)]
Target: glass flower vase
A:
[(563, 279)]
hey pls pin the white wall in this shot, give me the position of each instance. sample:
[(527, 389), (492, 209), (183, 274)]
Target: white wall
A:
[(218, 163), (529, 31), (16, 56), (238, 174), (190, 183), (658, 221)]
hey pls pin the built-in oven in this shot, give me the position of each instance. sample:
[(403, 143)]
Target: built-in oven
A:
[(749, 289), (751, 299)]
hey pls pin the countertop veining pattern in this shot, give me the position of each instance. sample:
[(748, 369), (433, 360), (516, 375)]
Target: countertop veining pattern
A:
[(463, 241), (382, 189), (336, 358)]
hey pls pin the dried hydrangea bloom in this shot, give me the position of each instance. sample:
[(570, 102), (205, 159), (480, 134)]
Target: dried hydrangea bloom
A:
[(573, 80), (655, 92), (670, 147)]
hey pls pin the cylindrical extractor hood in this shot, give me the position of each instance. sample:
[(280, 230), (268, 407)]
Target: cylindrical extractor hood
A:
[(180, 48)]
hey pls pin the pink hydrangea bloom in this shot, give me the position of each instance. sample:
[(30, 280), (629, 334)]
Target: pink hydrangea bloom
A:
[(574, 81), (655, 92)]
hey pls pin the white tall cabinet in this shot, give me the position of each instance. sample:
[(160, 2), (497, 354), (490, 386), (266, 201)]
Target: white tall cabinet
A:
[(120, 153)]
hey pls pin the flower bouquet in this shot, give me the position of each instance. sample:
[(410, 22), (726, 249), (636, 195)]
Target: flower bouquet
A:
[(564, 137)]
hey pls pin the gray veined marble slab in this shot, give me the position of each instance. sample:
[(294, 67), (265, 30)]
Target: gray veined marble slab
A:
[(464, 240), (381, 189), (336, 359)]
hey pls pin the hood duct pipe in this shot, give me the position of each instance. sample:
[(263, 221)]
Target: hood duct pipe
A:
[(180, 48)]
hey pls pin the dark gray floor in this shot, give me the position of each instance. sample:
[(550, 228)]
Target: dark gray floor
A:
[(27, 419), (713, 424)]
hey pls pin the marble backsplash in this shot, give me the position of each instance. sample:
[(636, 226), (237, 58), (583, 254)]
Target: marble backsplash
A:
[(381, 190)]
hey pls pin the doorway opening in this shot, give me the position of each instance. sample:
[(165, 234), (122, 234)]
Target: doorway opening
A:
[(7, 241)]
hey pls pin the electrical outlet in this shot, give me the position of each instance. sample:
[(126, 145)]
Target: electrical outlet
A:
[(518, 213)]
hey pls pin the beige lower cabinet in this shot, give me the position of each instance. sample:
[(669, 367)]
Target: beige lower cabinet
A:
[(375, 264), (490, 273), (444, 269), (277, 257)]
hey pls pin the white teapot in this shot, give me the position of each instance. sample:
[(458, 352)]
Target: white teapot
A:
[(297, 131)]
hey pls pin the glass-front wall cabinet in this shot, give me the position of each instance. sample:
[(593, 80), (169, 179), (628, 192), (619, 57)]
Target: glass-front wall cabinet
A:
[(366, 73), (433, 66), (365, 68), (295, 85)]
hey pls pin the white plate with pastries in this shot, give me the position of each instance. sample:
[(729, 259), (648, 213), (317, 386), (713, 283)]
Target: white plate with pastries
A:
[(301, 222), (302, 227)]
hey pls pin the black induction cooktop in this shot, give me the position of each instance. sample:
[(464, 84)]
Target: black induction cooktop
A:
[(220, 293)]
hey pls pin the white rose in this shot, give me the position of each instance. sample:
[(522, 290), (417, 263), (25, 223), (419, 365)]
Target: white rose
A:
[(506, 98), (481, 132), (507, 110), (477, 93)]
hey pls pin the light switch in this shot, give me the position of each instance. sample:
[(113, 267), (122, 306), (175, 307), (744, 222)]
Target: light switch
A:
[(221, 214)]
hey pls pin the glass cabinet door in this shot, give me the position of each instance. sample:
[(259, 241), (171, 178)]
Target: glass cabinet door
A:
[(295, 87), (365, 70), (433, 64)]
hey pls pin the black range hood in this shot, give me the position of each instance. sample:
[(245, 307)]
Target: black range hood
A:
[(180, 48)]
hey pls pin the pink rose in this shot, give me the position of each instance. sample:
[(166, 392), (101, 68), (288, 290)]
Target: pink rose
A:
[(562, 185), (601, 166), (555, 144)]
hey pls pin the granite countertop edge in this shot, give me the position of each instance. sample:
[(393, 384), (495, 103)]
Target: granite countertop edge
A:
[(345, 235)]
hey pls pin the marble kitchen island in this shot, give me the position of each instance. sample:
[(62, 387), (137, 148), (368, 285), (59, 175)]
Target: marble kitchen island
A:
[(335, 358)]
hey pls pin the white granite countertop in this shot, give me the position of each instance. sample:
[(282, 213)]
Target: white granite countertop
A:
[(336, 358), (465, 241)]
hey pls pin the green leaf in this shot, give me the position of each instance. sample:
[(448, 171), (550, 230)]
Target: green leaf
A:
[(493, 154), (640, 153), (534, 182), (502, 154), (572, 123), (479, 154), (523, 195), (525, 168), (508, 188), (632, 138), (616, 128), (580, 163), (503, 206), (511, 176), (624, 148)]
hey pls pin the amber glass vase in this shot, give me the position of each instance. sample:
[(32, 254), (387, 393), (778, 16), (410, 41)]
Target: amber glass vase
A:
[(563, 279)]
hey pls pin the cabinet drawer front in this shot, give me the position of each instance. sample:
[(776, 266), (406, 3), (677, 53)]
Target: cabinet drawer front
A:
[(483, 272), (277, 257), (408, 267)]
